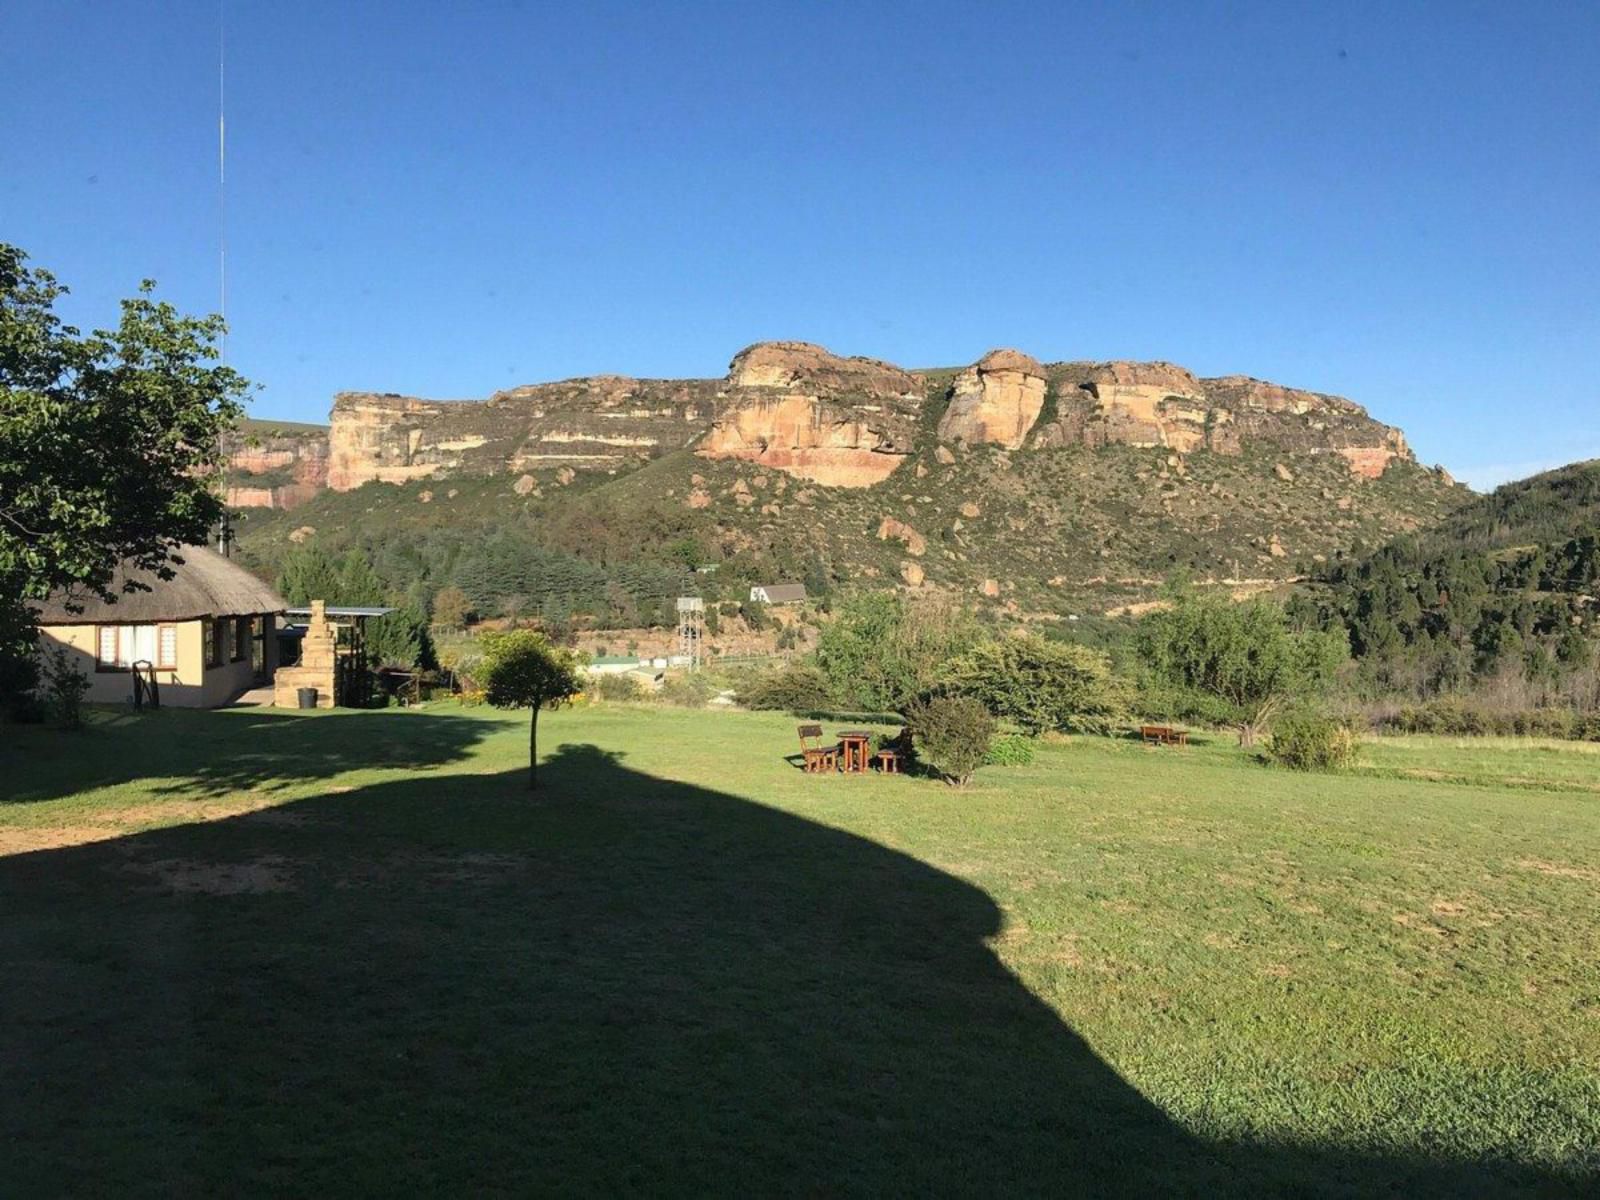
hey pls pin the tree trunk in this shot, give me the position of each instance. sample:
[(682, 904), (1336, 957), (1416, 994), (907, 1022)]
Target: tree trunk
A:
[(533, 750)]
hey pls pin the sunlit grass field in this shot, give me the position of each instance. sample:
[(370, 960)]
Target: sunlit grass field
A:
[(255, 951)]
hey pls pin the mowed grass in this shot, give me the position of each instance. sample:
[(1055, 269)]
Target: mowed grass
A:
[(251, 951)]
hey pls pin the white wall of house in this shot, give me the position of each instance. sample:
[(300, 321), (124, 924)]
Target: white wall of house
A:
[(179, 650)]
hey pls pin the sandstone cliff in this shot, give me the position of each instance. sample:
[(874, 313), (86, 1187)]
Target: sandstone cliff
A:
[(586, 423), (996, 400), (270, 465), (796, 407)]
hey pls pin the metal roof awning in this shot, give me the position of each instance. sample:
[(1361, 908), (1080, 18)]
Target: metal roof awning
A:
[(343, 610)]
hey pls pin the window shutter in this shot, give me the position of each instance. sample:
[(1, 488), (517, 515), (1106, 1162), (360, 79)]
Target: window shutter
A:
[(167, 646), (107, 653)]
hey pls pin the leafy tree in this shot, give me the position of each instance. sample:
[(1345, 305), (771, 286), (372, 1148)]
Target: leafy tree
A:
[(1243, 655), (1041, 685), (107, 444), (356, 582), (400, 639), (880, 652), (308, 573), (951, 734), (522, 669), (451, 608)]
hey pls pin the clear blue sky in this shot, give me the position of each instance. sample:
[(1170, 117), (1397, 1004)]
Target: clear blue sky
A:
[(1392, 201)]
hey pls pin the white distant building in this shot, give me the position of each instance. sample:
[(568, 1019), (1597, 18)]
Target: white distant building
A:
[(778, 593)]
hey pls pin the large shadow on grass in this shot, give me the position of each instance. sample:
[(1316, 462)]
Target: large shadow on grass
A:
[(197, 755), (630, 984)]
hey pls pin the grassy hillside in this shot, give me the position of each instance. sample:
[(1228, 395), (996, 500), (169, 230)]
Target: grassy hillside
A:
[(333, 953), (1502, 587), (1056, 530)]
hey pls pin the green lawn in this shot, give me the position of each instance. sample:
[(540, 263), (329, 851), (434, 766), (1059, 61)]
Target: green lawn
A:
[(249, 951)]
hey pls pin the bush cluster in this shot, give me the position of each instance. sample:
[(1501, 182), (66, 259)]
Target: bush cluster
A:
[(615, 688), (952, 735), (1454, 717), (1308, 740), (798, 688)]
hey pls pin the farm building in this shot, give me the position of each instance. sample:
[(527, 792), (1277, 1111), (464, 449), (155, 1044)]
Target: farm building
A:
[(778, 593)]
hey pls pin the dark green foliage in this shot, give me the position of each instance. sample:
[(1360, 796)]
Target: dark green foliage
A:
[(798, 688), (1502, 587), (401, 639), (1459, 716), (65, 687), (1242, 657), (1041, 686), (1305, 739), (308, 573), (952, 735), (107, 444), (755, 615)]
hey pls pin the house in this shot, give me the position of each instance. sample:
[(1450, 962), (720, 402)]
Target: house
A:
[(778, 593), (207, 634)]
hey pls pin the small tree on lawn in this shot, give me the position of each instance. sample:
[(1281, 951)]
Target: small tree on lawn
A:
[(522, 669), (1243, 655), (451, 608)]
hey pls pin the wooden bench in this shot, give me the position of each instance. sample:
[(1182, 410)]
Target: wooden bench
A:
[(1163, 735), (888, 762), (817, 758)]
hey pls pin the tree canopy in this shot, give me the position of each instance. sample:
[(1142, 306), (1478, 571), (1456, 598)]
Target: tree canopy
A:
[(108, 445), (524, 669), (1244, 656)]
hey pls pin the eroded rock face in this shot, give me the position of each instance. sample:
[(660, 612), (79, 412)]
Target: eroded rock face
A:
[(798, 408), (995, 401), (1159, 404), (267, 467), (593, 422)]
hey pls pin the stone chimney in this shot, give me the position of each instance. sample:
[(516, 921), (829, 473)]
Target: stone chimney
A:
[(318, 665)]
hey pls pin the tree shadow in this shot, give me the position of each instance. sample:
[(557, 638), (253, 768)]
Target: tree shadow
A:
[(210, 754), (624, 984)]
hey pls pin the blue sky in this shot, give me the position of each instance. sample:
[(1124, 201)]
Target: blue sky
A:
[(1395, 201)]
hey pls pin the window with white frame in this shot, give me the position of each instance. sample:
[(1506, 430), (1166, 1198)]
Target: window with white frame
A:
[(118, 647)]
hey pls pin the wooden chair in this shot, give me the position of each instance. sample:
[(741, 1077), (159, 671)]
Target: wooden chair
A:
[(817, 757), (889, 762)]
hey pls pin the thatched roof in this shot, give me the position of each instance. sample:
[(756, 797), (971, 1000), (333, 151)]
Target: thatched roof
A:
[(204, 585)]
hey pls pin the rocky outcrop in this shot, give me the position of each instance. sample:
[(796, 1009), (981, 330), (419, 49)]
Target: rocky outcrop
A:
[(798, 408), (268, 466), (996, 400), (595, 422), (1160, 404)]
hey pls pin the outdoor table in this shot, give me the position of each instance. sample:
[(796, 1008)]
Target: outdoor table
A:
[(855, 743)]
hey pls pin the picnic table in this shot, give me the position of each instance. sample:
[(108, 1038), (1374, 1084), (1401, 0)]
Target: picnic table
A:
[(854, 743), (1163, 735)]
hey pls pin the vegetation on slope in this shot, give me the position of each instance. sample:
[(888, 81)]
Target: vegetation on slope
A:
[(1501, 590)]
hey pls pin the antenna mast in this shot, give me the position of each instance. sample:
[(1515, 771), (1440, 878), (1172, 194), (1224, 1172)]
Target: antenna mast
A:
[(222, 174)]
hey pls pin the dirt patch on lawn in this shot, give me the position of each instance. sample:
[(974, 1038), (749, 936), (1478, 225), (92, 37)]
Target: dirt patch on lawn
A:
[(270, 873), (22, 841), (1559, 870)]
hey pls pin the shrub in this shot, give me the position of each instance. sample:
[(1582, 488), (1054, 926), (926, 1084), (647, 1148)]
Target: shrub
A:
[(692, 690), (1042, 686), (615, 687), (1308, 740), (1009, 750), (65, 685), (1587, 728), (798, 688), (951, 735)]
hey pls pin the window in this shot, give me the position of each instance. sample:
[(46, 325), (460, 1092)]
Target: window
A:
[(211, 633), (118, 647), (241, 639)]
